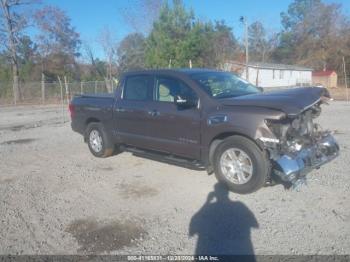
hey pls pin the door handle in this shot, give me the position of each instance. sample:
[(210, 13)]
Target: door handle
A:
[(153, 113)]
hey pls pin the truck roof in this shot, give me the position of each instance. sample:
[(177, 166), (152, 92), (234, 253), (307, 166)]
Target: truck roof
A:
[(187, 71)]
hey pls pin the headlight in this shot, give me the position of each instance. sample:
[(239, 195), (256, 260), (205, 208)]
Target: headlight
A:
[(278, 127)]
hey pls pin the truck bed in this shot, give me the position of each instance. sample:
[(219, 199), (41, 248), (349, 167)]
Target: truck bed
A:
[(98, 95), (91, 106)]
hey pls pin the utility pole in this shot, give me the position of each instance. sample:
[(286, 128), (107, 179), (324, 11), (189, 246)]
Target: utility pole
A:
[(243, 20)]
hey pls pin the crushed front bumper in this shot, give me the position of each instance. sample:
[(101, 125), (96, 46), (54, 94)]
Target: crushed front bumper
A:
[(294, 167)]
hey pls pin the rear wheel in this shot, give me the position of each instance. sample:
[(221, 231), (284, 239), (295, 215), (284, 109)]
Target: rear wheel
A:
[(99, 142), (240, 164)]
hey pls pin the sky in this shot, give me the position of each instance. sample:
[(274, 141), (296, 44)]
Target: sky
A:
[(89, 17)]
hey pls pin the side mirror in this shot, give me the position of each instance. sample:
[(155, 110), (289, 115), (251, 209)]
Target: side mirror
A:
[(185, 102)]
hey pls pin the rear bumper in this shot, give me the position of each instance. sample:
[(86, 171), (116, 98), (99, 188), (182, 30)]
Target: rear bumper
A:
[(294, 167)]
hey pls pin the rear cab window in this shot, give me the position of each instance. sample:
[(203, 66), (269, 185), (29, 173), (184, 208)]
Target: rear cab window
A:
[(138, 88)]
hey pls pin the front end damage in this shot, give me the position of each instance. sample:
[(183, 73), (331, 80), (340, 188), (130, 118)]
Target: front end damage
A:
[(299, 145)]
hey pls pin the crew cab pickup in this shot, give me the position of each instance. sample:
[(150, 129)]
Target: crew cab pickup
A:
[(210, 119)]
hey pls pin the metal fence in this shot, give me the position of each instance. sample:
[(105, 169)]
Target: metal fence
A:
[(49, 92)]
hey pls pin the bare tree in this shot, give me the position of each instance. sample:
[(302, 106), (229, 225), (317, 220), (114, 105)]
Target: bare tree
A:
[(261, 42), (95, 63), (12, 24), (57, 39), (141, 14), (315, 34), (131, 52), (109, 45)]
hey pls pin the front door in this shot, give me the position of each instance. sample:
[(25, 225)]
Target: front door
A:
[(175, 129)]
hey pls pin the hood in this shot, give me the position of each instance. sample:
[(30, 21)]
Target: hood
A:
[(290, 101)]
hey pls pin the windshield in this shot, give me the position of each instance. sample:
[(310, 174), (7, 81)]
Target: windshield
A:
[(223, 85)]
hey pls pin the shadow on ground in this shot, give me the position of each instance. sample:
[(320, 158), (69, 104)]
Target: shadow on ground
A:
[(223, 226)]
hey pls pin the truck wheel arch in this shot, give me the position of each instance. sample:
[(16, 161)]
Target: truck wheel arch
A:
[(253, 158), (219, 138), (108, 146)]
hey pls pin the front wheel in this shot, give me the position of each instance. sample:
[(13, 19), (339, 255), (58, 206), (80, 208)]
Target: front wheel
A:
[(100, 144), (241, 165)]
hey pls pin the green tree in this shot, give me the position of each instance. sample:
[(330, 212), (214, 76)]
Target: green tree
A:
[(166, 40), (209, 45), (178, 37)]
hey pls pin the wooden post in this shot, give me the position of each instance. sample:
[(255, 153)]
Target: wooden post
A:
[(42, 88), (346, 81), (95, 87), (62, 103), (15, 88), (81, 88), (169, 63), (67, 91)]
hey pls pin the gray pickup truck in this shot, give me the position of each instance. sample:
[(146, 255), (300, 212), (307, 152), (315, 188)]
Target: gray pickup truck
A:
[(212, 120)]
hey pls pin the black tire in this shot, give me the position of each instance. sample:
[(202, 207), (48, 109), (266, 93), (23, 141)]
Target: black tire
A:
[(259, 162), (106, 147)]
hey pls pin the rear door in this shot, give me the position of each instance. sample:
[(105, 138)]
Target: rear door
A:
[(174, 130), (131, 115)]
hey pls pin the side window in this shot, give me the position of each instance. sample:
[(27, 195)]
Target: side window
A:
[(168, 89), (138, 88)]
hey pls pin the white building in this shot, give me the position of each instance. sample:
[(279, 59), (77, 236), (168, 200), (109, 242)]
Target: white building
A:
[(272, 75)]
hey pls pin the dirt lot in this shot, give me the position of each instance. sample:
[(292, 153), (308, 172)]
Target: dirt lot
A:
[(56, 198)]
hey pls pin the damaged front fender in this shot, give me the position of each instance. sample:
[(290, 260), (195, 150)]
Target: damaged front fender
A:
[(300, 146)]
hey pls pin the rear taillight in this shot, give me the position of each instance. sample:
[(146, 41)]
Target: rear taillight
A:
[(71, 110)]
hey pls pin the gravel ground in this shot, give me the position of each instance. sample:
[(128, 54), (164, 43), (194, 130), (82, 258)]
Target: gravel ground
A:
[(56, 198)]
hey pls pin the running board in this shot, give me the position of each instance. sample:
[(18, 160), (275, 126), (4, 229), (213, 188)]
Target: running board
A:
[(164, 158)]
